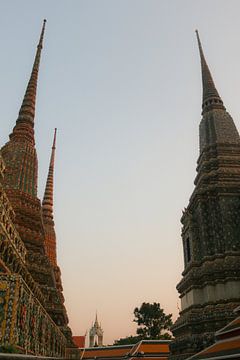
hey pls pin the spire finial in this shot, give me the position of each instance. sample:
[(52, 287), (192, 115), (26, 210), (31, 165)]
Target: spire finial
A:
[(25, 121), (211, 97), (96, 320), (54, 139), (199, 43)]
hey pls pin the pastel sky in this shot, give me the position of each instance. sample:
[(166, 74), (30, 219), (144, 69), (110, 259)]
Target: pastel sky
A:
[(120, 79)]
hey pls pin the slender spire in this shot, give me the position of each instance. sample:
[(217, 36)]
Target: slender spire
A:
[(211, 97), (25, 121), (96, 321), (47, 204)]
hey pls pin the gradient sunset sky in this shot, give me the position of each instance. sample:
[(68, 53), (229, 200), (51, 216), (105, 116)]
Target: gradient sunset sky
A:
[(121, 81)]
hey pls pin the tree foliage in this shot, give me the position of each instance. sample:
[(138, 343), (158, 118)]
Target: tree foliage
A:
[(129, 340), (153, 323)]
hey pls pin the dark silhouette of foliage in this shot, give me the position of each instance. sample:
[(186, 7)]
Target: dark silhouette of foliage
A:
[(129, 340), (153, 323)]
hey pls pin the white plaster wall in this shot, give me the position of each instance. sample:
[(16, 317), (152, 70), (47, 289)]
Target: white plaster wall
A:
[(228, 290)]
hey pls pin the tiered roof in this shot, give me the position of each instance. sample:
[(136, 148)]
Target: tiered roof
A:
[(227, 345), (147, 349)]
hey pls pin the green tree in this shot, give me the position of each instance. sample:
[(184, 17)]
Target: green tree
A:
[(129, 340), (153, 323)]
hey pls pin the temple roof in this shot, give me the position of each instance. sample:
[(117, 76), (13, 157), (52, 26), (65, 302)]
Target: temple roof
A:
[(227, 345), (79, 341), (230, 330), (225, 349), (154, 349)]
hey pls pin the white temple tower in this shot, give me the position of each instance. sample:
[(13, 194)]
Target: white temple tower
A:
[(96, 334)]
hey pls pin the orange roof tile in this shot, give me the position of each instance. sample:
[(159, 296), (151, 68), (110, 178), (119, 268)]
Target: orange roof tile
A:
[(156, 349), (79, 341), (233, 325), (108, 351), (222, 348)]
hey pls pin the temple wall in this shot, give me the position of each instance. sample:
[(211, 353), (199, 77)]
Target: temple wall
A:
[(24, 323)]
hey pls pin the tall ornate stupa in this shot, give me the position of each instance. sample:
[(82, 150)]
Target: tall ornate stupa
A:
[(34, 317), (210, 286)]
